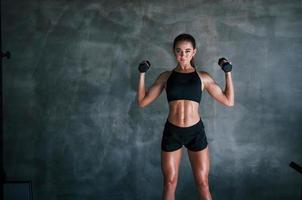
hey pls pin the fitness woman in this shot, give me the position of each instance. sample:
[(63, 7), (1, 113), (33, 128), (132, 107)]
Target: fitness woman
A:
[(184, 86)]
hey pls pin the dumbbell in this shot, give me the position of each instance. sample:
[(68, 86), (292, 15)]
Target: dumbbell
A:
[(225, 65), (144, 66)]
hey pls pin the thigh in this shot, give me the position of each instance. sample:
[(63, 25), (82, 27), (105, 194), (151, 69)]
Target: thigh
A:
[(170, 163), (200, 162)]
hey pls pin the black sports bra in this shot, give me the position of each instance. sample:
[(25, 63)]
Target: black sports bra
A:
[(183, 86)]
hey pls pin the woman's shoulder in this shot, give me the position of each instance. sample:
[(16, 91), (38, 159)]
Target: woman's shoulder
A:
[(205, 76), (165, 74)]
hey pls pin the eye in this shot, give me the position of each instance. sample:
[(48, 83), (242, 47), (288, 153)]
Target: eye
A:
[(188, 51)]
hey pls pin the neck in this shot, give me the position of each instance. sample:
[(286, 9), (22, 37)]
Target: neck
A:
[(185, 67)]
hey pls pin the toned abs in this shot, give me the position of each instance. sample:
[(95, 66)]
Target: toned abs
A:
[(183, 113)]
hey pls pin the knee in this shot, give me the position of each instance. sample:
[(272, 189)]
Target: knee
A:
[(202, 183), (170, 183)]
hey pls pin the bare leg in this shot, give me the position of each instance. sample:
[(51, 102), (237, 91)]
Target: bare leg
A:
[(200, 163), (170, 165)]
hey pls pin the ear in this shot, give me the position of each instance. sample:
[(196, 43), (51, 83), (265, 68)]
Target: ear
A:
[(194, 52), (173, 50)]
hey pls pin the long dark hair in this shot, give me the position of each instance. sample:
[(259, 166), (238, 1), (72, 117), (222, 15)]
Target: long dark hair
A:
[(188, 38)]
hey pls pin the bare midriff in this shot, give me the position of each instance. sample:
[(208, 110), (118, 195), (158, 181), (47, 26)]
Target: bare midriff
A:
[(183, 113)]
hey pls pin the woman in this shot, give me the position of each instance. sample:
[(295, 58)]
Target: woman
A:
[(184, 86)]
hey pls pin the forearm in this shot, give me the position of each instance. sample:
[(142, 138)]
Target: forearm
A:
[(229, 89), (141, 92)]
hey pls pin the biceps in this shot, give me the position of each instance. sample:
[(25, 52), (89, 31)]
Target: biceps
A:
[(152, 93), (216, 92)]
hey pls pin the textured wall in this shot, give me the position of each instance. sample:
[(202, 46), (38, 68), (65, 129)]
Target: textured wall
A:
[(72, 125)]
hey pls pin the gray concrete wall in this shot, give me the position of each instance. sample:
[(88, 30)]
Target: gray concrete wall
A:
[(72, 125)]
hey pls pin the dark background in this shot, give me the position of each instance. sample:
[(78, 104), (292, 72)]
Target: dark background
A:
[(71, 122)]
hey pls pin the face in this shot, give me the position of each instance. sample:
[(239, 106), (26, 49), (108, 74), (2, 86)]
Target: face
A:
[(184, 52)]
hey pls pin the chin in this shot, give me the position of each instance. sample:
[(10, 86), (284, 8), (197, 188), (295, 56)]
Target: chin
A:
[(183, 63)]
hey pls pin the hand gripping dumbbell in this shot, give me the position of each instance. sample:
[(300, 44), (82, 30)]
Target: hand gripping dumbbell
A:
[(225, 65), (144, 66)]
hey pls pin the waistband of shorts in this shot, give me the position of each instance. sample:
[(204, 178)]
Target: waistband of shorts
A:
[(199, 123)]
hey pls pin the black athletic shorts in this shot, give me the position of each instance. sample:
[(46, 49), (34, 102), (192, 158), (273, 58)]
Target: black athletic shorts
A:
[(193, 137)]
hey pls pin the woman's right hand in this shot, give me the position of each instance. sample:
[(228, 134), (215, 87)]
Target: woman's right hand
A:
[(144, 66)]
